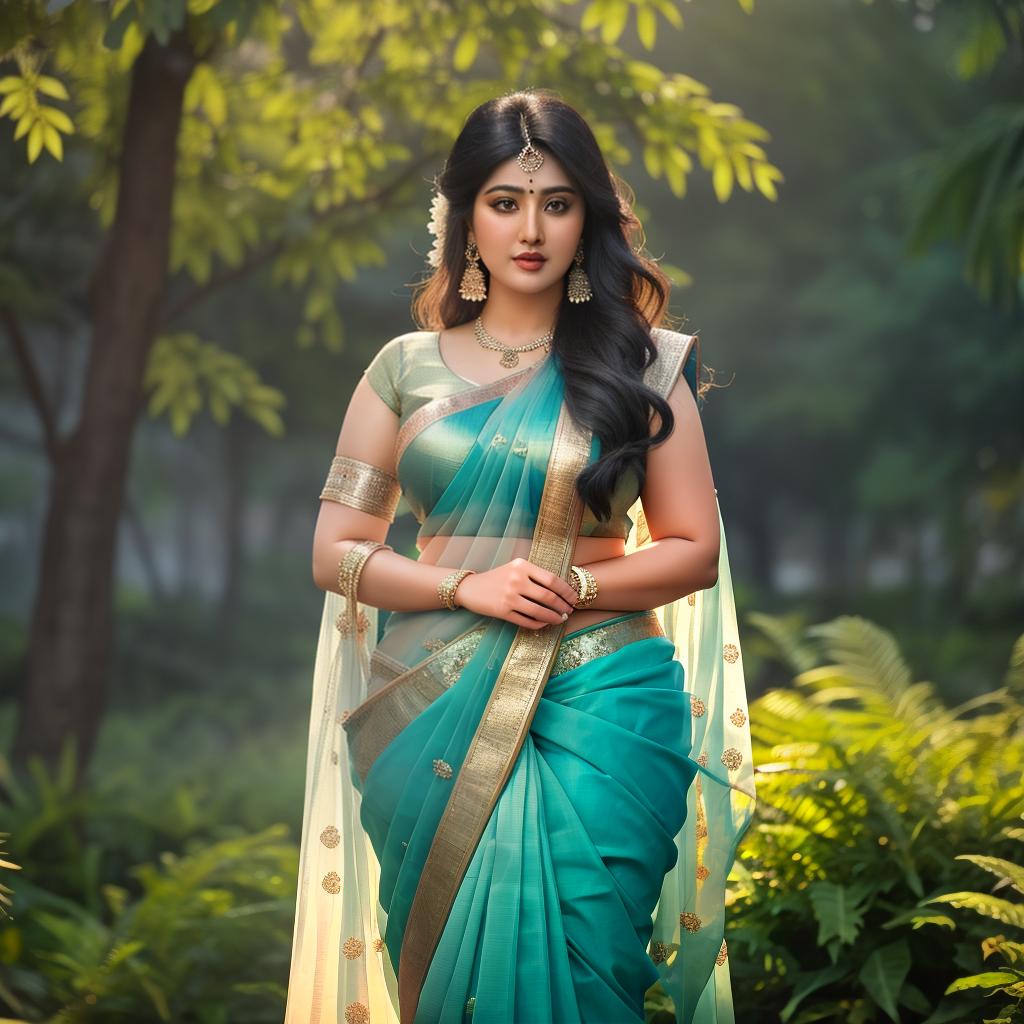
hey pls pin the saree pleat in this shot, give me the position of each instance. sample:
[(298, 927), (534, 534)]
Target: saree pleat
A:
[(504, 824), (564, 906)]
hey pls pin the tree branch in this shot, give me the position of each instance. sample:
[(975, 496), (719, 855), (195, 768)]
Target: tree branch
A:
[(32, 380), (260, 257)]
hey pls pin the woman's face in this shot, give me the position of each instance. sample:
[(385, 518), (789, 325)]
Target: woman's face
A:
[(517, 212)]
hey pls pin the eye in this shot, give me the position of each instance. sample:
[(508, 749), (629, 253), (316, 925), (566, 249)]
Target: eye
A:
[(497, 204)]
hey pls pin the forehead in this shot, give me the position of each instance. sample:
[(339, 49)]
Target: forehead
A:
[(509, 172)]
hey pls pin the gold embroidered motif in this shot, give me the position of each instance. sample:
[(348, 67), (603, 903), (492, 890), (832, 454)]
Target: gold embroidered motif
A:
[(578, 650), (332, 883), (691, 599), (498, 440), (697, 707), (453, 660), (433, 643), (330, 837), (659, 952), (363, 486), (730, 652), (723, 952), (378, 945), (738, 717), (471, 1005), (702, 871), (357, 1013), (353, 948), (691, 922), (702, 760), (442, 768), (732, 758), (702, 830), (520, 448)]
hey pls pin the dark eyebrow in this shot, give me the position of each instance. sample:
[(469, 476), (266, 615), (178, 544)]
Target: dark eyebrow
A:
[(519, 188)]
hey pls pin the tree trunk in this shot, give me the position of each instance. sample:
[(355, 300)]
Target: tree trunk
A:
[(71, 631)]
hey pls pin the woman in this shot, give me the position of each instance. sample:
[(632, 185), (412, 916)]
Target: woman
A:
[(524, 799)]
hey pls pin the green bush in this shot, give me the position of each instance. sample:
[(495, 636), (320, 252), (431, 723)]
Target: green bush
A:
[(868, 789), (201, 935)]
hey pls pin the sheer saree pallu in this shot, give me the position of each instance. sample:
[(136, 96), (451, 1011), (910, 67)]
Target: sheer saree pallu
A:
[(512, 825)]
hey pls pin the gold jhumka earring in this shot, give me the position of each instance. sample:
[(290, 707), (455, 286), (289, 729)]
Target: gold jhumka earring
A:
[(579, 283), (473, 287)]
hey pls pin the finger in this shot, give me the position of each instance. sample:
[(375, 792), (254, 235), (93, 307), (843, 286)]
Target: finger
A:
[(548, 598), (536, 610), (555, 582), (521, 620)]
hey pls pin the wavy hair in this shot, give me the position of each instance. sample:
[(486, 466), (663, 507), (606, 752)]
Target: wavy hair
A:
[(602, 346)]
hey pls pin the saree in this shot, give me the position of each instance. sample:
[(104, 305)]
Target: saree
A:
[(511, 824)]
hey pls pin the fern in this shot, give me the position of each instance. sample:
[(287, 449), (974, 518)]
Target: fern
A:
[(868, 788)]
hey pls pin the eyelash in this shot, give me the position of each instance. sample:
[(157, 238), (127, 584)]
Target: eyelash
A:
[(565, 205)]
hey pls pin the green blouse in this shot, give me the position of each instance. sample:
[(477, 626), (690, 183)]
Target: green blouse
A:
[(409, 374)]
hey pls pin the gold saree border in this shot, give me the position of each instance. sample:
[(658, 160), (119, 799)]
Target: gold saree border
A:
[(438, 408), (503, 726)]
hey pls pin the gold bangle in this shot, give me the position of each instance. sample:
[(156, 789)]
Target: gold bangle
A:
[(585, 585), (363, 486), (447, 587), (350, 568)]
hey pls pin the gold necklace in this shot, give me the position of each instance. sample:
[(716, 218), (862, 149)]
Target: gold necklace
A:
[(509, 353)]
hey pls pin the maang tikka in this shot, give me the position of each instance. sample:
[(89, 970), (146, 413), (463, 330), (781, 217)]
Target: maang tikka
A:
[(473, 286)]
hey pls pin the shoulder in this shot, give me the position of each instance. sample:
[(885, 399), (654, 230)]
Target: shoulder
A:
[(677, 353), (402, 349)]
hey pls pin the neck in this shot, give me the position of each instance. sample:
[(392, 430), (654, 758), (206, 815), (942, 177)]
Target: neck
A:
[(516, 318)]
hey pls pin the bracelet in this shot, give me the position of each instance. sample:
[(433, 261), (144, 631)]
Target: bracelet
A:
[(349, 570), (363, 486), (584, 583), (447, 587)]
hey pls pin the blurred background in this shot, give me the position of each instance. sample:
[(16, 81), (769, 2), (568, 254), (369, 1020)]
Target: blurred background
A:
[(212, 214)]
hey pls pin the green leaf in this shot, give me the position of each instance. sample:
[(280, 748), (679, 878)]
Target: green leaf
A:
[(646, 27), (465, 51), (883, 975), (990, 979), (52, 87), (811, 983), (838, 909), (35, 141)]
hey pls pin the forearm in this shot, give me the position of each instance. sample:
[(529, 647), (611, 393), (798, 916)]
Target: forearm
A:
[(661, 571), (388, 580)]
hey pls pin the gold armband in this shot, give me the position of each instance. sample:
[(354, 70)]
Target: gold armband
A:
[(363, 486)]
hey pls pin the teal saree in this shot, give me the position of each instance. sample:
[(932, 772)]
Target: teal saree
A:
[(513, 825)]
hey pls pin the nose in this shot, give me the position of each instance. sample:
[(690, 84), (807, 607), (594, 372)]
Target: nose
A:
[(530, 226)]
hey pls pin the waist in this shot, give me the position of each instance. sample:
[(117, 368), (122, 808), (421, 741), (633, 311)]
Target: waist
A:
[(483, 553)]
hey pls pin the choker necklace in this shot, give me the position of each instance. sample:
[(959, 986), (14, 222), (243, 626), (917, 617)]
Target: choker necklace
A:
[(509, 353)]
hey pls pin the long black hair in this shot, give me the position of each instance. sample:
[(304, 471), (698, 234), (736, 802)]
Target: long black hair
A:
[(602, 345)]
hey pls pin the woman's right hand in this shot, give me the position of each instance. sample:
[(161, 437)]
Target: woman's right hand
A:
[(519, 592)]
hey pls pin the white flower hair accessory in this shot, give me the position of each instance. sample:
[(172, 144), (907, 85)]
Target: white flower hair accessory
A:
[(436, 226)]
